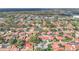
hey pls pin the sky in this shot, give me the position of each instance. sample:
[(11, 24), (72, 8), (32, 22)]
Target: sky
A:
[(39, 3)]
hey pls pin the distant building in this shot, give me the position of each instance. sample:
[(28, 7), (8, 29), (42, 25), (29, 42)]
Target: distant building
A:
[(75, 16)]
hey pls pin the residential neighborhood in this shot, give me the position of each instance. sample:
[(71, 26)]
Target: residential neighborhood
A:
[(39, 31)]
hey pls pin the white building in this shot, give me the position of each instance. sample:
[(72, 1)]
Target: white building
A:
[(75, 16)]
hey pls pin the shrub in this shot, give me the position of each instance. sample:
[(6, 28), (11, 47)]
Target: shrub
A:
[(12, 41), (35, 39), (20, 44), (67, 40), (1, 40)]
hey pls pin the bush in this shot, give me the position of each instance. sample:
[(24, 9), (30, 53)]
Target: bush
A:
[(67, 40), (12, 41), (20, 44), (1, 40), (35, 39)]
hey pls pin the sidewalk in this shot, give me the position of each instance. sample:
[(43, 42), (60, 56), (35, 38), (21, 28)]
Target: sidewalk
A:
[(8, 49)]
